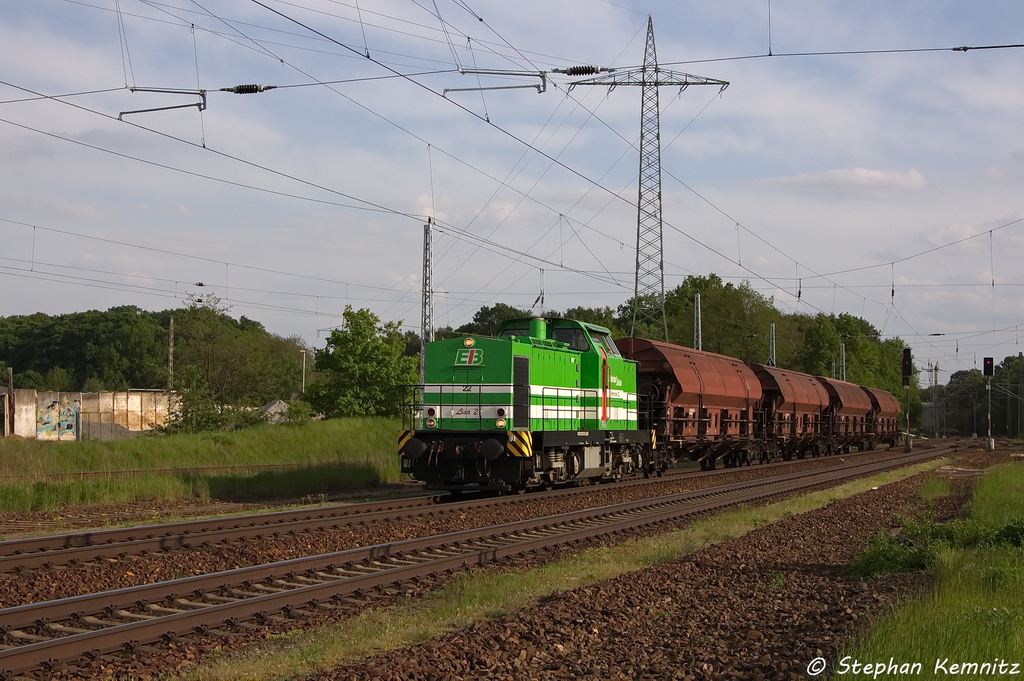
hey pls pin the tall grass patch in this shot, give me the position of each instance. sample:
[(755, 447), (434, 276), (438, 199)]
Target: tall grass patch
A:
[(324, 456), (974, 612)]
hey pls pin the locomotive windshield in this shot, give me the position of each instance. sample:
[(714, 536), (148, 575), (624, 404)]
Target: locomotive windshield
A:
[(519, 329), (574, 337), (605, 341)]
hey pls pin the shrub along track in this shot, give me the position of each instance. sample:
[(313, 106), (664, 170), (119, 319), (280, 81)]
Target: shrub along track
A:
[(106, 622)]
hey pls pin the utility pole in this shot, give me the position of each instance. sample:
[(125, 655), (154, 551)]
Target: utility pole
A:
[(649, 282), (10, 399), (698, 331), (170, 356), (990, 443), (989, 371), (908, 372), (842, 361), (427, 321), (1009, 403), (771, 345)]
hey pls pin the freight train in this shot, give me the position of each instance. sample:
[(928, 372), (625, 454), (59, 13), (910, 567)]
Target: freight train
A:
[(553, 401)]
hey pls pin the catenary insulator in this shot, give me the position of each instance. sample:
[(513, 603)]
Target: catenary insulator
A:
[(248, 89), (582, 70)]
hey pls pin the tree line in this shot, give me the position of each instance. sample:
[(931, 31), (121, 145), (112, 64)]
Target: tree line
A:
[(222, 362), (735, 321), (961, 406)]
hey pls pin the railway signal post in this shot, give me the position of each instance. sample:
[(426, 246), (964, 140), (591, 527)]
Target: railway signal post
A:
[(908, 370), (990, 442)]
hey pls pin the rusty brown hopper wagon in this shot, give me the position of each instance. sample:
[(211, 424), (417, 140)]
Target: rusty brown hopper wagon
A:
[(700, 404)]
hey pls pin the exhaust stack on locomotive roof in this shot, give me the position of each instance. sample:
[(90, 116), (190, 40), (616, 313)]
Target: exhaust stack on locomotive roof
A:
[(539, 328)]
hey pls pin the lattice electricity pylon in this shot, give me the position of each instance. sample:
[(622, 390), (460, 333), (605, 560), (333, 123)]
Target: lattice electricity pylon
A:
[(649, 285)]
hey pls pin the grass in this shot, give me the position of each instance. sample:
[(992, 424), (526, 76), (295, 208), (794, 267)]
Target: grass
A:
[(476, 596), (332, 455), (934, 487), (974, 612)]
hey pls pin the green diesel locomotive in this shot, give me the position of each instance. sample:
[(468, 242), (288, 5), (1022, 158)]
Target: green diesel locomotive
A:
[(545, 402)]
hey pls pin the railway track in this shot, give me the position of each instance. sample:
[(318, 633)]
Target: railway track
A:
[(68, 549), (43, 636)]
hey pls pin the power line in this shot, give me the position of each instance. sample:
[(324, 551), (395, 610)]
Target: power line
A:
[(842, 53)]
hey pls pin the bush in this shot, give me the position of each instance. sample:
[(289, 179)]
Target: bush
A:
[(299, 412), (921, 541), (887, 555), (197, 411)]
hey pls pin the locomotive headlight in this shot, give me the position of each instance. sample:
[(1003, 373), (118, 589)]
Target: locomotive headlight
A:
[(431, 411), (500, 411), (431, 423), (500, 423), (468, 342)]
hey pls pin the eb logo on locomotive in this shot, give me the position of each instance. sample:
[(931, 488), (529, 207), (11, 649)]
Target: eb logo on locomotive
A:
[(469, 357)]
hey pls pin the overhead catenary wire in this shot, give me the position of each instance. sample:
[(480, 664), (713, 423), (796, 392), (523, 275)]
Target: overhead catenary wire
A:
[(615, 195), (126, 55), (738, 259), (554, 160), (370, 206)]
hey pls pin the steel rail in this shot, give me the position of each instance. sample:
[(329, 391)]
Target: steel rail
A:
[(189, 530), (290, 586), (40, 552)]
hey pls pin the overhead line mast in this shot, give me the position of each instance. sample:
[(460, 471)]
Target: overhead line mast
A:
[(649, 283)]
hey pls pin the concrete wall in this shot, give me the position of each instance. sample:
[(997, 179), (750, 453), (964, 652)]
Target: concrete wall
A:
[(105, 415), (25, 413), (56, 415)]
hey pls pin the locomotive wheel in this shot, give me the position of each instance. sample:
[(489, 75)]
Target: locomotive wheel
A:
[(642, 463)]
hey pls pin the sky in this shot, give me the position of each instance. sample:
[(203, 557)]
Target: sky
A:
[(855, 163)]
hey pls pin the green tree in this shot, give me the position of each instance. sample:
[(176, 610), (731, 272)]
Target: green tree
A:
[(602, 316), (59, 379), (240, 362), (363, 367), (821, 347), (487, 319), (735, 320)]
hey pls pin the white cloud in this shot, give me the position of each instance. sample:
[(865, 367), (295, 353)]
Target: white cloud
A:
[(852, 183)]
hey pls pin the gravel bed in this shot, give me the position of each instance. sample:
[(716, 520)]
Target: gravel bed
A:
[(758, 607), (763, 599), (98, 516), (62, 582)]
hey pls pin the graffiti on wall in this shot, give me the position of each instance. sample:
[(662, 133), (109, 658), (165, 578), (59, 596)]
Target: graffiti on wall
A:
[(57, 418)]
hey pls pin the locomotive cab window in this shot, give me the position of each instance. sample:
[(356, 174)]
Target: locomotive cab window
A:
[(522, 331), (576, 338), (605, 341)]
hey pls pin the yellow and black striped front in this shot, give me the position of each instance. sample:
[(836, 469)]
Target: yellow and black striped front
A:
[(403, 438), (520, 443)]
